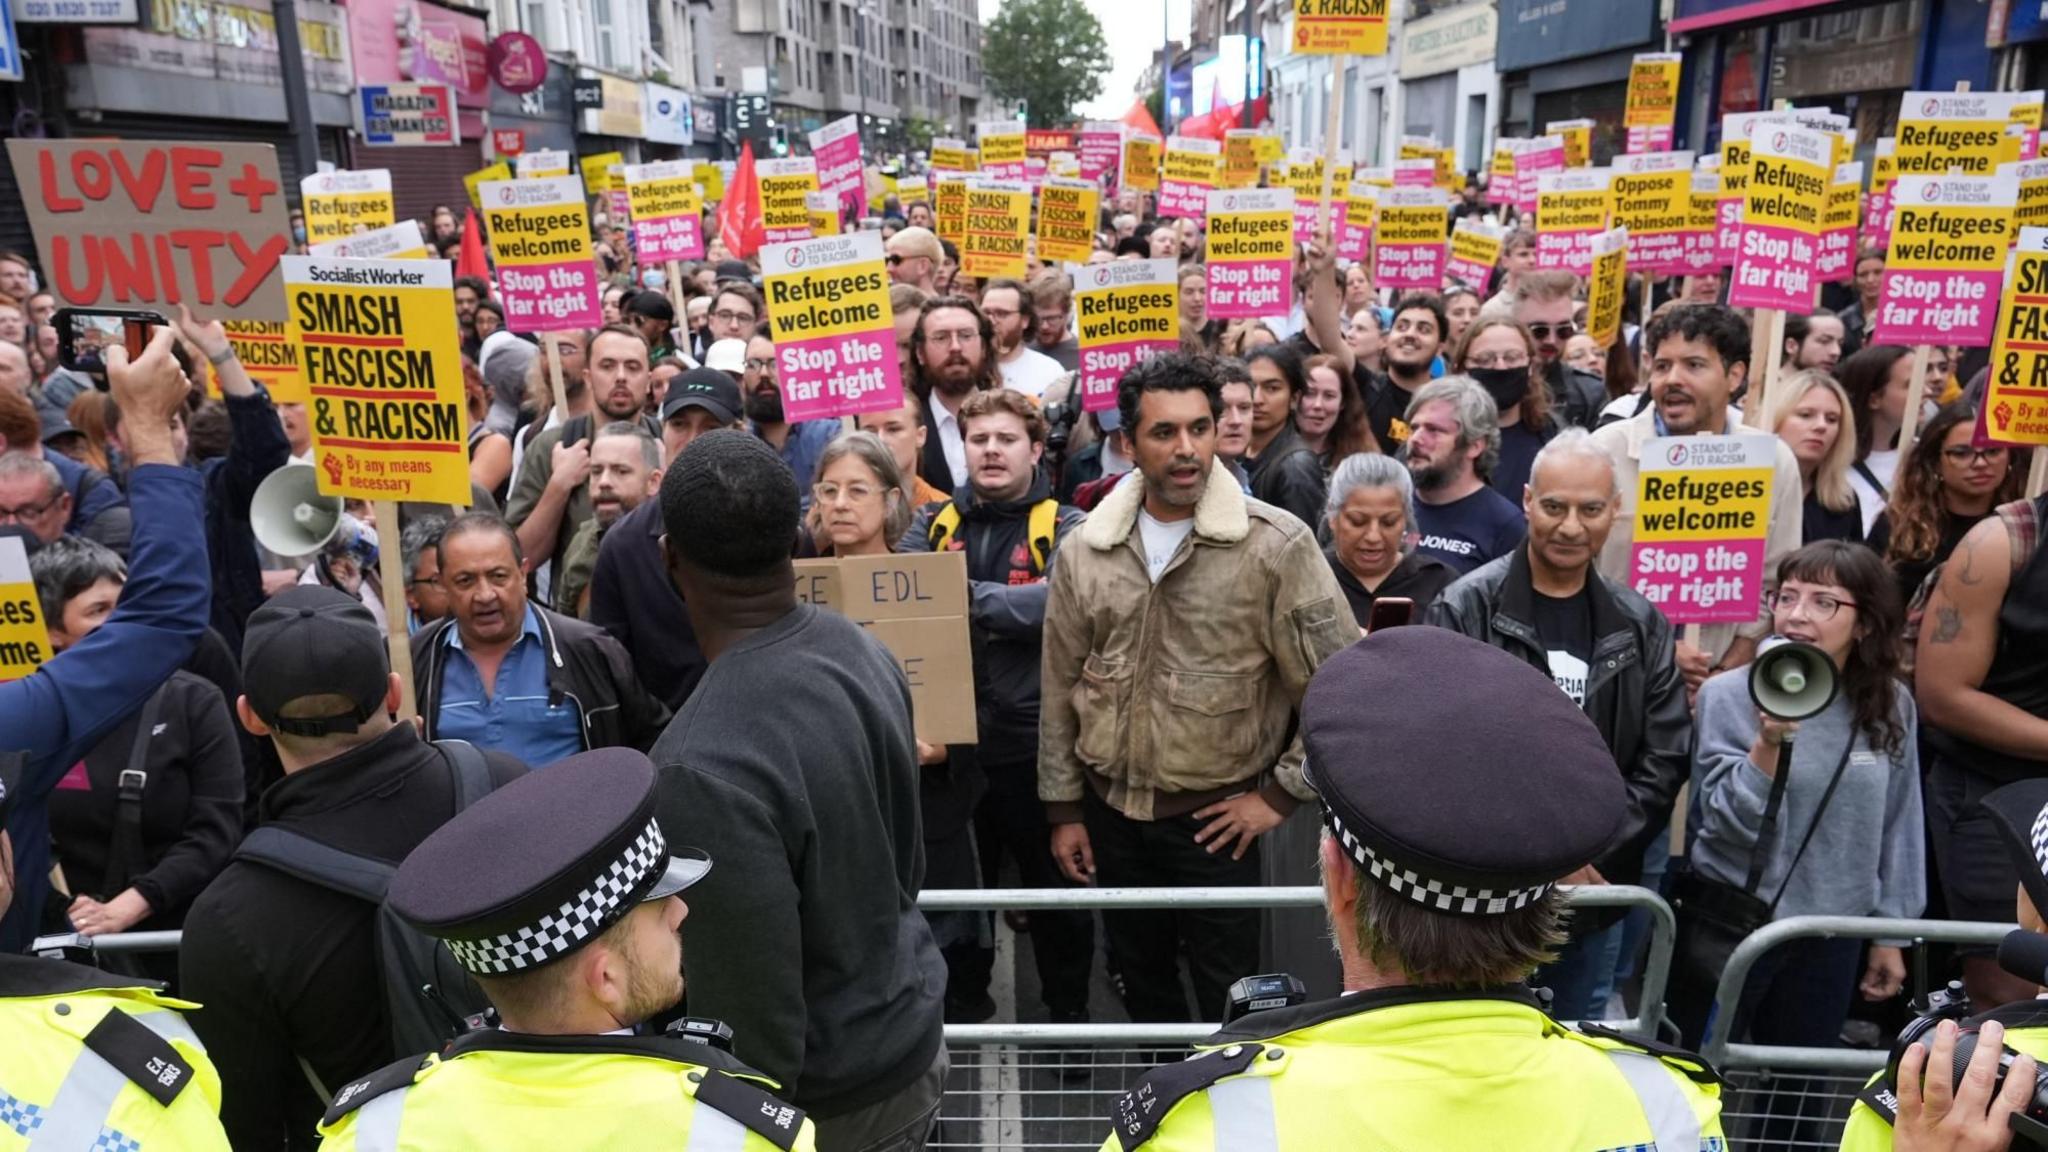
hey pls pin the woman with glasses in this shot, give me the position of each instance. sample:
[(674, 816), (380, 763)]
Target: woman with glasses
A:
[(1942, 489), (1501, 355), (1862, 835), (858, 505)]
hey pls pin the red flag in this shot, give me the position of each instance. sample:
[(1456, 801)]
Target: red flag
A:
[(1139, 118), (471, 262), (739, 216)]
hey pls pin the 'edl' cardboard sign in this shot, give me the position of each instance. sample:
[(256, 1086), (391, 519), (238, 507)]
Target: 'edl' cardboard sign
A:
[(915, 603)]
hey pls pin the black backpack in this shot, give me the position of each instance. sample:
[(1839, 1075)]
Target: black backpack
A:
[(430, 997)]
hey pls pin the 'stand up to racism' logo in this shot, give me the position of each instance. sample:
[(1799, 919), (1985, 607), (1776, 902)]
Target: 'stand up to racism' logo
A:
[(1102, 275), (1778, 142), (506, 195), (1932, 191), (796, 257), (1677, 455)]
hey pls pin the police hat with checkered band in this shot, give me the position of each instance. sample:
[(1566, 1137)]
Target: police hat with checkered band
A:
[(540, 867), (2020, 811), (1455, 774)]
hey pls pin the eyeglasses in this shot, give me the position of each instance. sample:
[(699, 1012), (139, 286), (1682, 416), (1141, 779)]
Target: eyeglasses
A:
[(1564, 331), (1000, 313), (1820, 607), (962, 338), (767, 365), (1964, 454), (729, 317), (893, 259), (29, 512), (854, 493), (1499, 360)]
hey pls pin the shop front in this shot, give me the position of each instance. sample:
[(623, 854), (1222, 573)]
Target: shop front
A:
[(615, 124), (1448, 83), (667, 122), (1569, 60), (543, 119), (417, 42)]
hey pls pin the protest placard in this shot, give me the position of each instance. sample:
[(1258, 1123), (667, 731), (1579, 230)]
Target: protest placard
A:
[(1578, 140), (2015, 407), (1101, 150), (1787, 190), (1945, 133), (1500, 183), (1703, 508), (710, 179), (2031, 210), (835, 336), (339, 203), (474, 182), (1652, 100), (1240, 167), (1947, 257), (1354, 225), (949, 209), (1335, 27), (24, 640), (836, 148), (1700, 249), (1838, 223), (1736, 128), (540, 237), (1305, 180), (1126, 312), (1475, 251), (1877, 214), (382, 358), (150, 224), (1573, 206), (821, 210), (400, 241), (915, 603), (784, 182), (1142, 160), (597, 171), (267, 353), (1652, 196), (1002, 148), (998, 220), (1067, 212), (542, 164), (1417, 173), (1533, 159), (1607, 286), (951, 155), (1408, 249), (1189, 172), (1250, 255), (667, 211)]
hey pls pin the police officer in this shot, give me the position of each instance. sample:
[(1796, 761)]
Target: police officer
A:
[(1925, 1119), (1441, 852), (91, 1060), (559, 894)]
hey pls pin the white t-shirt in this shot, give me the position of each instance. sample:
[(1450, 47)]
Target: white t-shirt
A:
[(1030, 372), (1161, 539), (1884, 465)]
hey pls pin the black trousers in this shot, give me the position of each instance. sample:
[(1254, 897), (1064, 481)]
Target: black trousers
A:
[(1145, 947), (1011, 819)]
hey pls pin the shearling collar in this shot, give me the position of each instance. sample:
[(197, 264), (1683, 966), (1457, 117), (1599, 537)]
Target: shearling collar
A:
[(1220, 515)]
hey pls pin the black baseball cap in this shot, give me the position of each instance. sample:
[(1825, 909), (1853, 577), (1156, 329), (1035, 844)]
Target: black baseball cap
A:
[(707, 388), (311, 640)]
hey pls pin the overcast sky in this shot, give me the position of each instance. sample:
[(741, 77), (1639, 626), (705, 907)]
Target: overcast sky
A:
[(1134, 29)]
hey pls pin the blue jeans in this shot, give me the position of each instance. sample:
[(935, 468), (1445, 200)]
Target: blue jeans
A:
[(1583, 977)]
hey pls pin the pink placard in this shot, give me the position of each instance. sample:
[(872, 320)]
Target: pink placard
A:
[(1700, 581), (1179, 198), (1699, 252), (668, 238), (836, 148), (1649, 138), (1658, 253), (1353, 242), (551, 297), (1244, 289), (1877, 220), (1571, 251), (1540, 156), (1101, 151), (1774, 269), (842, 372), (1407, 266), (1103, 367), (1938, 306), (1728, 228), (831, 376), (1837, 254)]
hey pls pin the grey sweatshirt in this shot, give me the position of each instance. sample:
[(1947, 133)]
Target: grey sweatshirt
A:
[(1868, 857)]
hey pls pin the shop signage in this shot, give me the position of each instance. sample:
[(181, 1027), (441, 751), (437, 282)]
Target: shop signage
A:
[(73, 12), (668, 114), (1448, 40), (1537, 32), (516, 63), (407, 114), (589, 93)]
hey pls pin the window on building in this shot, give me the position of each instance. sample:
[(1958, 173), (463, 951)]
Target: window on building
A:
[(536, 21), (606, 32)]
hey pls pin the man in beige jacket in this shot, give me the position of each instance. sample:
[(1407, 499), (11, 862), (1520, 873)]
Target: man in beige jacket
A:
[(1183, 624)]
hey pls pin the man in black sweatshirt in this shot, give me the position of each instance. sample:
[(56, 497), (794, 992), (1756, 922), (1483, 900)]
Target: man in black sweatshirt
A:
[(793, 764)]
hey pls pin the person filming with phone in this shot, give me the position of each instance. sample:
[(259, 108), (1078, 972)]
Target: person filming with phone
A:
[(1607, 648)]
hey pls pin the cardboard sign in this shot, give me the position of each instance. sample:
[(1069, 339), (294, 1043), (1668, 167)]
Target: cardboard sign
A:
[(2015, 408), (915, 603), (1142, 162), (1340, 27), (1789, 172), (544, 164), (1475, 252), (784, 183), (1250, 257), (339, 203), (1410, 229), (134, 224), (1100, 151), (1572, 207), (835, 335), (1652, 194), (1652, 100), (407, 115), (836, 148), (949, 155), (1355, 222), (24, 641), (1947, 256), (474, 182), (268, 355), (1607, 286), (540, 237), (1193, 165), (1534, 158), (949, 209), (1942, 133), (1067, 212), (401, 241), (1703, 507), (1127, 312), (1838, 221), (822, 210), (1700, 249), (383, 366), (998, 222), (667, 211), (1002, 148), (1578, 140)]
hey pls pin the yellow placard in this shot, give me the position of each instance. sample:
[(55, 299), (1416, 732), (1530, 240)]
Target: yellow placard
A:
[(1410, 223), (1944, 236), (270, 356), (1671, 510), (2032, 210), (822, 210), (1844, 205), (998, 221), (784, 184), (1884, 166), (1652, 90), (1653, 201), (1946, 133), (951, 156), (2016, 400), (1001, 148), (668, 196), (913, 190), (1186, 166), (1578, 140), (24, 640), (1477, 248), (1271, 148), (597, 171), (383, 366), (1334, 27), (1783, 192), (1240, 159), (1567, 207), (949, 210), (711, 178), (337, 204), (475, 181), (544, 234), (1141, 163), (836, 298), (1067, 211), (1607, 286)]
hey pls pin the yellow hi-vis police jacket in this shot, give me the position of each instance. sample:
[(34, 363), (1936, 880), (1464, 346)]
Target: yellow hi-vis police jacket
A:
[(1870, 1120), (511, 1092), (93, 1062), (1402, 1069)]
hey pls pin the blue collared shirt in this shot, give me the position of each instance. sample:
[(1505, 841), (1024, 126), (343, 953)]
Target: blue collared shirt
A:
[(802, 447), (518, 718)]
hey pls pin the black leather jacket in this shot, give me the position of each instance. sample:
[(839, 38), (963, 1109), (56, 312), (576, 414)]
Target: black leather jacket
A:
[(1288, 475), (1634, 692), (1576, 397)]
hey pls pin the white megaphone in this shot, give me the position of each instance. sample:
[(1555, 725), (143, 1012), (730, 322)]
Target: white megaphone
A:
[(289, 515), (1791, 680)]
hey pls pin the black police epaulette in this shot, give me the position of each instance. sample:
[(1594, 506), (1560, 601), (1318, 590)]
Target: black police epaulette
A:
[(141, 1055), (1694, 1065), (772, 1119), (390, 1078), (1139, 1112)]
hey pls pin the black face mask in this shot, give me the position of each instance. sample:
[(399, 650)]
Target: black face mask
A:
[(1507, 386)]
